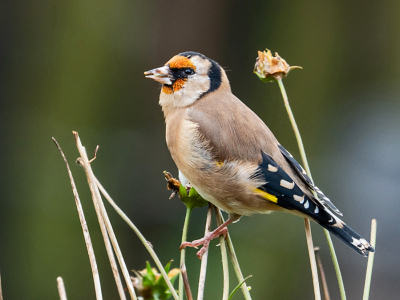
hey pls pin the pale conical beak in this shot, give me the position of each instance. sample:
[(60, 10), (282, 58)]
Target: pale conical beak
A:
[(162, 75)]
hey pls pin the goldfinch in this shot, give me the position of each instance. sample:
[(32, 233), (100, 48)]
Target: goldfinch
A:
[(228, 154)]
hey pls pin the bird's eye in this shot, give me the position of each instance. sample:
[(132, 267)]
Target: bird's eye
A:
[(189, 71)]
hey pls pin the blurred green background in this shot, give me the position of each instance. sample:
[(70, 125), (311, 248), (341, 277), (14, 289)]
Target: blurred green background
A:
[(78, 65)]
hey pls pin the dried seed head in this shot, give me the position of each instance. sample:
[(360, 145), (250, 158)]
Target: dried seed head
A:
[(269, 68)]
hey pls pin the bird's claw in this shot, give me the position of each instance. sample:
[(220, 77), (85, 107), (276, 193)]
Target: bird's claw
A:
[(205, 241)]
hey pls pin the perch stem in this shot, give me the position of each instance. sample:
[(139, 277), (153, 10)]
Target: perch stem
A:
[(236, 265), (224, 257), (204, 259), (189, 210)]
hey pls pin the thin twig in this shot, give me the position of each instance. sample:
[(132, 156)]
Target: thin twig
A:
[(322, 273), (94, 154), (370, 264), (85, 229), (183, 251), (186, 282), (236, 266), (61, 289), (141, 238), (84, 161), (224, 256), (204, 259)]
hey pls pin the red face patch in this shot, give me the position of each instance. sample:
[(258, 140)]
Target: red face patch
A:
[(178, 62), (178, 84)]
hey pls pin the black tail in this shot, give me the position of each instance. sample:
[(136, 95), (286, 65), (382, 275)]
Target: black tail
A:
[(350, 238), (280, 189)]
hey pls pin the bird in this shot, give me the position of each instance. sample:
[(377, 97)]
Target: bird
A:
[(230, 156)]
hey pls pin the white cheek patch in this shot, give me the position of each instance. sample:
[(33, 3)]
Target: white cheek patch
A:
[(202, 65)]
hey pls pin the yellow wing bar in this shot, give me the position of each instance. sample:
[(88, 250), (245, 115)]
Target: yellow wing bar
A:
[(266, 195)]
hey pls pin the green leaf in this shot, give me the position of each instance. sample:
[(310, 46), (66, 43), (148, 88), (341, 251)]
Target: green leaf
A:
[(167, 266), (238, 287)]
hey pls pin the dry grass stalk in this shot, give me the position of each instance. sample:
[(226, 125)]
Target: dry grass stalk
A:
[(85, 229), (203, 268), (322, 274), (313, 262), (101, 212), (186, 282), (61, 289), (107, 243), (146, 244)]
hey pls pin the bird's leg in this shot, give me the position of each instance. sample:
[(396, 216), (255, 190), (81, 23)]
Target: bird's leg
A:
[(205, 241)]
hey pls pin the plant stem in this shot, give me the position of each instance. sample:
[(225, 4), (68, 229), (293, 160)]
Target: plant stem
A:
[(370, 261), (313, 263), (183, 251), (204, 259), (336, 265), (236, 266), (141, 238), (224, 257)]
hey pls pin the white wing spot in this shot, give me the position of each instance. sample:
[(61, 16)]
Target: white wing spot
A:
[(287, 184), (331, 220), (357, 243), (306, 205), (299, 198), (316, 210), (365, 243), (271, 168)]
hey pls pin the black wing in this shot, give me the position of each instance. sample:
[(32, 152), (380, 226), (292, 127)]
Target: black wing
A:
[(303, 175), (282, 190)]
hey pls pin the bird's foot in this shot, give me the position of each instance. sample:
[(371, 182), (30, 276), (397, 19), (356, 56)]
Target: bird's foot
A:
[(205, 241)]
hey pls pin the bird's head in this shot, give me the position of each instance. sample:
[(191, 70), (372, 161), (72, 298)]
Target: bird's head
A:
[(187, 77)]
